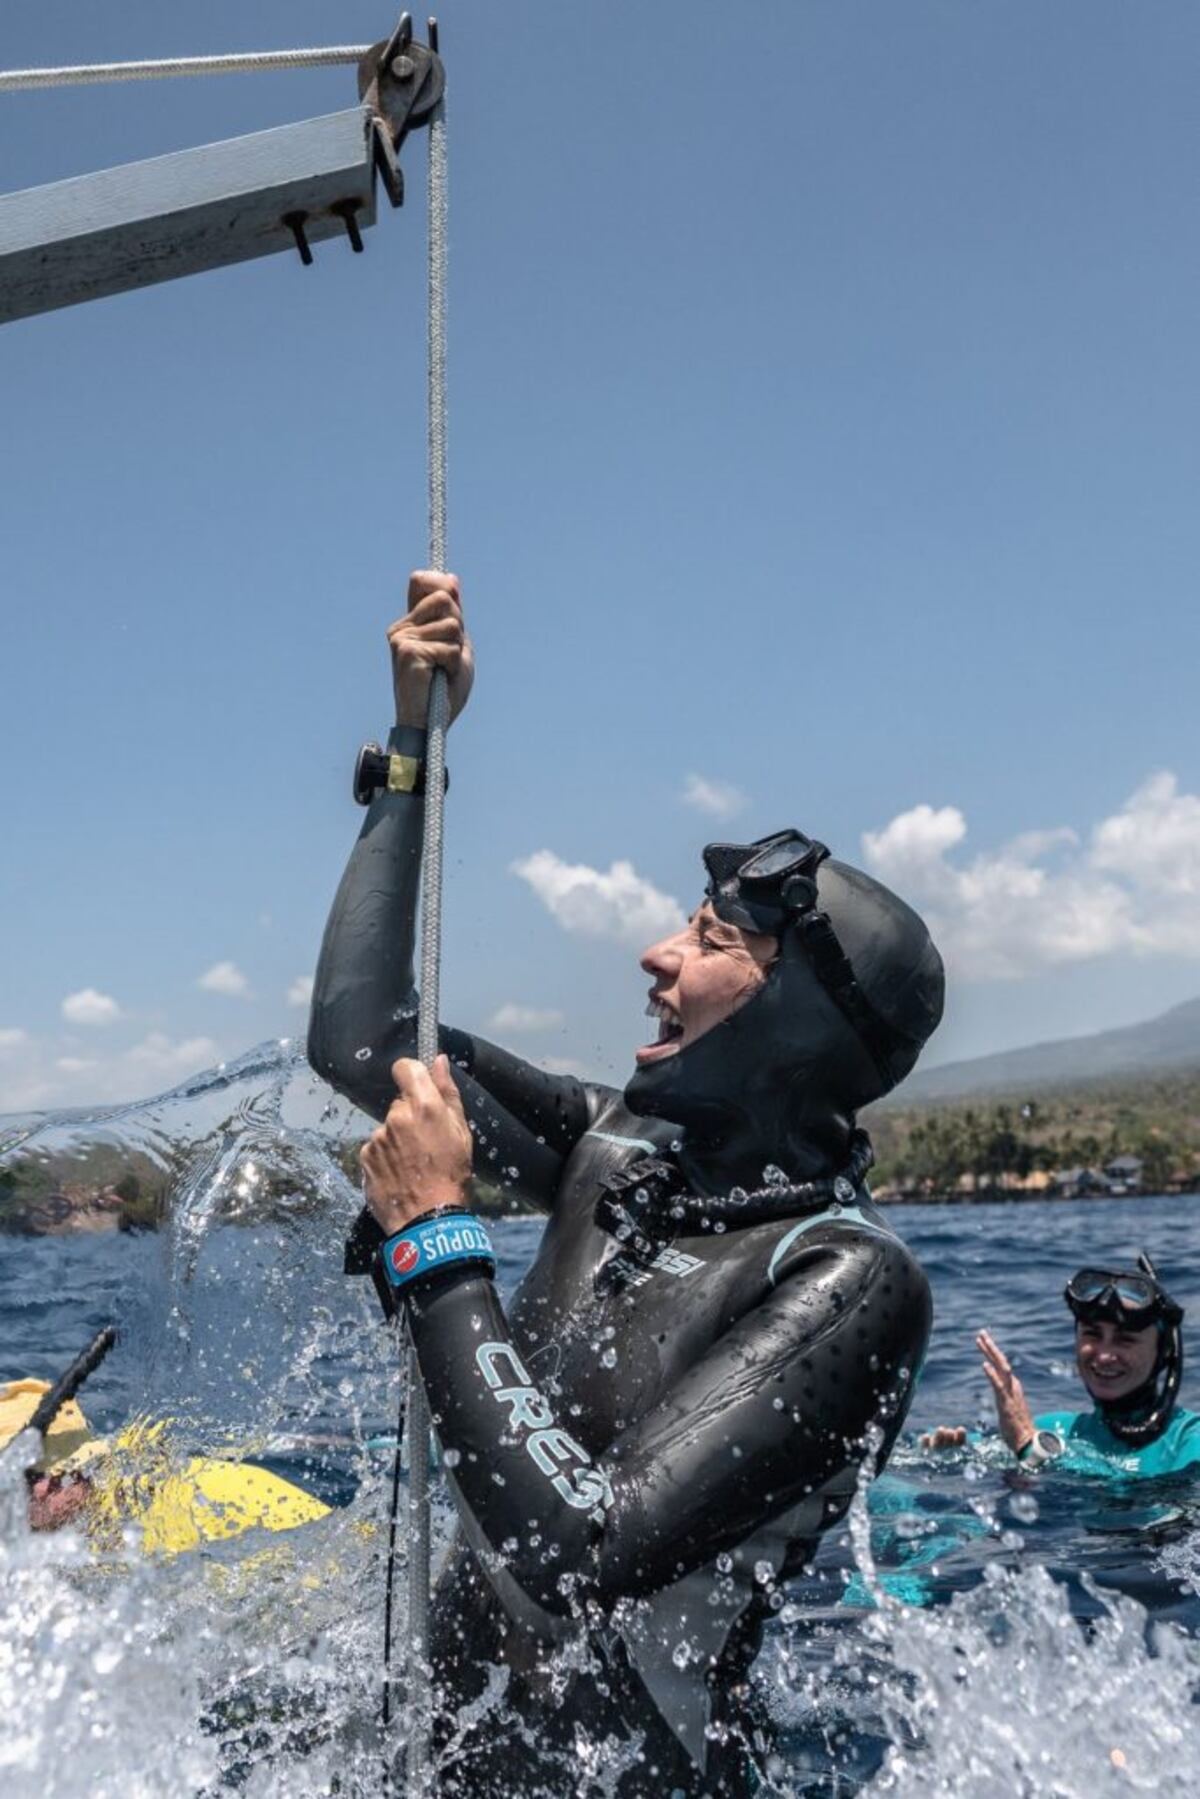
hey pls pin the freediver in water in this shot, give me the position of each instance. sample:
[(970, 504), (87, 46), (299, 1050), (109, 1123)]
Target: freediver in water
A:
[(718, 1326), (1129, 1354), (140, 1477)]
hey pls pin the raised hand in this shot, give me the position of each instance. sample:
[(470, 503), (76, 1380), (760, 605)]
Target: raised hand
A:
[(430, 635), (1012, 1408), (420, 1156)]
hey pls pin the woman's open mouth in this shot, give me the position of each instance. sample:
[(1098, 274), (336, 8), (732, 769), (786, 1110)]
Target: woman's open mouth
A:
[(670, 1033)]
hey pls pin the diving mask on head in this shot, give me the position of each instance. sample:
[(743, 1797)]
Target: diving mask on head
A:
[(840, 1018), (1133, 1300), (772, 884)]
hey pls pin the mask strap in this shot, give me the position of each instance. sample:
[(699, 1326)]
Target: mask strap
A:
[(834, 970)]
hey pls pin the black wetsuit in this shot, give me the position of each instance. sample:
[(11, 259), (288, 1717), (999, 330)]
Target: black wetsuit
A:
[(654, 1459)]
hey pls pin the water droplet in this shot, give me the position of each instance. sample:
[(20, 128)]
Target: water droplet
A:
[(451, 1458), (764, 1573), (609, 1359), (777, 1404), (773, 1176), (724, 1563), (681, 1655), (362, 1055), (1024, 1508), (720, 1225)]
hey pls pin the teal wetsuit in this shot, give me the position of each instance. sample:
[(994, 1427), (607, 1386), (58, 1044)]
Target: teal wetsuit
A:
[(908, 1538), (1092, 1448), (905, 1553)]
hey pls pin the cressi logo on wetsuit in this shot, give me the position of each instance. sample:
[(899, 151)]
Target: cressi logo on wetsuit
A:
[(550, 1447), (667, 1261)]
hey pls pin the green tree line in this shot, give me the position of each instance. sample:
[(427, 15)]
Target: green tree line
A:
[(992, 1143)]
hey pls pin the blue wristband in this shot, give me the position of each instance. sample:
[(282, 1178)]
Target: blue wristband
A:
[(431, 1244)]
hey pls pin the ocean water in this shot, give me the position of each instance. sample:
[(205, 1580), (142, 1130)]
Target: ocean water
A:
[(1055, 1648)]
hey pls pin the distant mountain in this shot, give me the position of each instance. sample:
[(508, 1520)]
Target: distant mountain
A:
[(1170, 1041)]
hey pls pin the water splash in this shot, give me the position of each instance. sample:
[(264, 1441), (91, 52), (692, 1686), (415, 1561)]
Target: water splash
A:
[(1008, 1692), (254, 1667)]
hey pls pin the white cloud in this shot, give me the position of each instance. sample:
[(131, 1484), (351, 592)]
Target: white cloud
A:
[(158, 1058), (89, 1007), (47, 1081), (300, 991), (13, 1037), (915, 841), (1154, 839), (224, 977), (512, 1017), (719, 799), (29, 1092), (563, 1065), (620, 905), (1045, 898)]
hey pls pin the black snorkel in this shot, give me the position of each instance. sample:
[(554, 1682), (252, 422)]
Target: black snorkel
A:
[(1133, 1300), (70, 1381)]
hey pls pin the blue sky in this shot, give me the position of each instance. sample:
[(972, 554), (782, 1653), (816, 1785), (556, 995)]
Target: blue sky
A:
[(823, 447)]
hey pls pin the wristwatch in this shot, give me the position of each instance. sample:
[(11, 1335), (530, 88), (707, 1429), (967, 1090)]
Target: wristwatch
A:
[(1043, 1446), (378, 768)]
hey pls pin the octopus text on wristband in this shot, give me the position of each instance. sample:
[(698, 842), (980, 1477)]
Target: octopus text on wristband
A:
[(435, 1243)]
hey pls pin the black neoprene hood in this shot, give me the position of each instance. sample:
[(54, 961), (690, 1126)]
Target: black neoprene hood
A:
[(855, 992)]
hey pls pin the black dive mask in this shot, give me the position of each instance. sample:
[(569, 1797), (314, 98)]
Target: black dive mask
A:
[(770, 886), (1133, 1299), (840, 1018), (1130, 1299)]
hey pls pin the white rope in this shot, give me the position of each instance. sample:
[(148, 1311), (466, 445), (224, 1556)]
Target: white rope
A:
[(15, 81), (438, 552), (419, 1686)]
